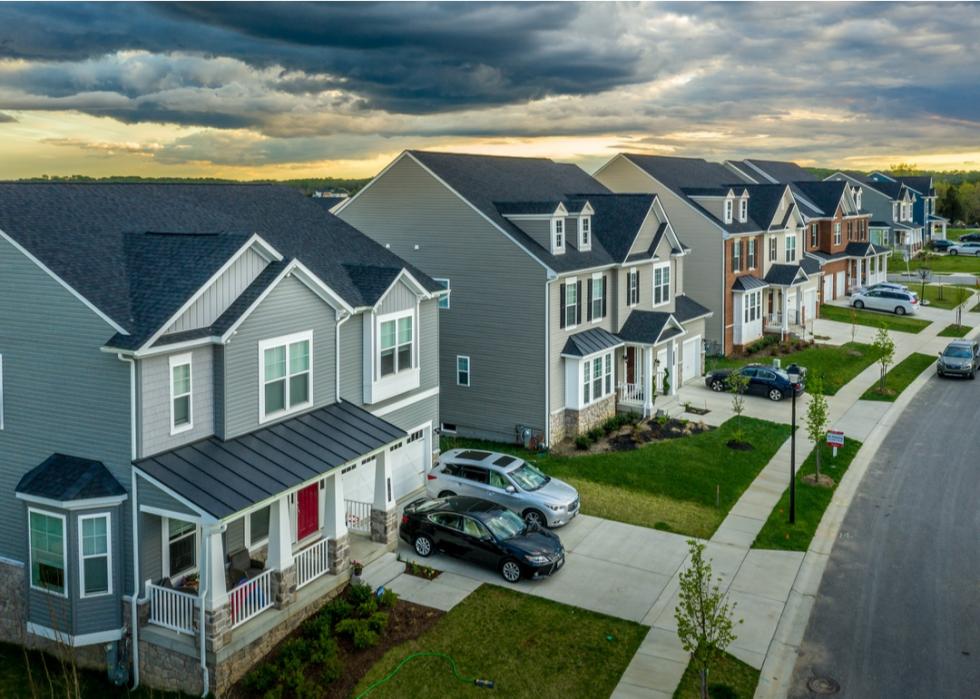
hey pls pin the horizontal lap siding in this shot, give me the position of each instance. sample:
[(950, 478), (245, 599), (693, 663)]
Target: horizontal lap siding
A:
[(497, 298), (102, 613), (154, 380), (151, 547)]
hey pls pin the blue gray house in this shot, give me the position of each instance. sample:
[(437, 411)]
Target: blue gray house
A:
[(924, 208), (211, 397), (892, 204)]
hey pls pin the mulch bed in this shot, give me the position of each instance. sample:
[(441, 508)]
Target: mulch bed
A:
[(653, 431), (696, 411), (420, 570)]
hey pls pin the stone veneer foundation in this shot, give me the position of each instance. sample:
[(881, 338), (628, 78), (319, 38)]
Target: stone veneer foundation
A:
[(570, 423), (384, 527)]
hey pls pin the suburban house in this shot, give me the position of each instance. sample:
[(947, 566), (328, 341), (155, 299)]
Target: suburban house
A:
[(747, 263), (837, 230), (924, 209), (211, 396), (568, 301), (891, 204)]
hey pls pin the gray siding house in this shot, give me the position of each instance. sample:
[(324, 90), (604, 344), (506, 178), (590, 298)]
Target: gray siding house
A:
[(567, 300), (892, 205), (210, 396)]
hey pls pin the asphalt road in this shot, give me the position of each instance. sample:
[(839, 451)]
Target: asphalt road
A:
[(898, 612)]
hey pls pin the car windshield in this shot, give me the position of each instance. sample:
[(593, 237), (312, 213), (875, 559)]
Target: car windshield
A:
[(528, 477), (505, 525), (957, 352)]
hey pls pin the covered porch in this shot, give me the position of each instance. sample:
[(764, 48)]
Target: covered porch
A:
[(790, 300), (866, 265)]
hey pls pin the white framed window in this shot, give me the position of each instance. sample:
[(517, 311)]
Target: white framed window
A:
[(751, 255), (181, 403), (857, 197), (557, 235), (179, 547), (752, 310), (837, 234), (585, 232), (462, 370), (396, 343), (772, 249), (736, 255), (743, 209), (286, 379), (814, 235), (597, 378), (257, 527), (48, 552), (661, 284), (444, 299), (586, 382), (632, 287), (729, 208), (570, 310), (597, 309), (791, 248), (94, 555)]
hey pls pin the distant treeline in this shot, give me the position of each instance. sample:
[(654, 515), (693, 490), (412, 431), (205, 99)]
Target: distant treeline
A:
[(307, 186)]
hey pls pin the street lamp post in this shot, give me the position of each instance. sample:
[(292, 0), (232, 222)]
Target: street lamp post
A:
[(794, 379)]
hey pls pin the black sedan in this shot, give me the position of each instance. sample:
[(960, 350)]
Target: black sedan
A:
[(942, 245), (766, 381), (970, 238), (484, 533)]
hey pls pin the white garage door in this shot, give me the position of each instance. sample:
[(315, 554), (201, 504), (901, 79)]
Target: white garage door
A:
[(840, 284), (828, 287), (691, 358), (809, 305), (409, 461), (359, 481)]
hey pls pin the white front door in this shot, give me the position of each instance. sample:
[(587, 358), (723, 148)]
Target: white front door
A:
[(691, 359), (841, 282), (828, 287), (661, 366), (408, 462)]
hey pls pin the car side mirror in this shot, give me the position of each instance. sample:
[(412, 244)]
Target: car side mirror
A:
[(511, 489)]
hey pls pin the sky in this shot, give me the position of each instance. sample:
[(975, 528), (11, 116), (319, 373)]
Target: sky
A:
[(291, 90)]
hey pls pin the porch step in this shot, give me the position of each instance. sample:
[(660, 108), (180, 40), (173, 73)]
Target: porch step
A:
[(383, 570)]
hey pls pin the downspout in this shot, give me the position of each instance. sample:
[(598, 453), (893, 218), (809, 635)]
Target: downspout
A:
[(547, 362), (202, 593), (344, 317), (133, 508)]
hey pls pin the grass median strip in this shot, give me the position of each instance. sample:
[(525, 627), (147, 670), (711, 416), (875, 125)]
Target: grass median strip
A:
[(670, 484), (528, 661), (811, 501), (740, 679), (946, 296), (873, 319), (954, 330), (899, 377)]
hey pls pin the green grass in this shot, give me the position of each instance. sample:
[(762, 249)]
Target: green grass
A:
[(727, 670), (902, 324), (955, 233), (954, 330), (900, 376), (811, 501), (669, 485), (16, 682), (952, 294), (510, 637), (939, 263), (835, 364)]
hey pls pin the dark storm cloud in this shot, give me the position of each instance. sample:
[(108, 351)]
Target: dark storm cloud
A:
[(6, 119)]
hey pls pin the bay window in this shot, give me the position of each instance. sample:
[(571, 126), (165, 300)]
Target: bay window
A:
[(752, 306), (95, 566), (396, 343), (286, 374), (597, 378), (661, 284), (47, 552)]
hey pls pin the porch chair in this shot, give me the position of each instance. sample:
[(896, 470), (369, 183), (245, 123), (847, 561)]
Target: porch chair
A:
[(243, 567)]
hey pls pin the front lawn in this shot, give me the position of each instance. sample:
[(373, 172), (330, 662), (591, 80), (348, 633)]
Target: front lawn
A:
[(945, 296), (955, 233), (811, 501), (739, 678), (528, 646), (899, 377), (874, 319), (835, 364), (669, 485), (954, 330), (939, 263)]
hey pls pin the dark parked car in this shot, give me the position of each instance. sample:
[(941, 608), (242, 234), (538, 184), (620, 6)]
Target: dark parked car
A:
[(482, 532), (970, 238), (960, 358), (940, 245), (765, 381)]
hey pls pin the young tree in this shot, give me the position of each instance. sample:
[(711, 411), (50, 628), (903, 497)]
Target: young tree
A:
[(704, 615), (737, 383), (817, 417), (884, 348)]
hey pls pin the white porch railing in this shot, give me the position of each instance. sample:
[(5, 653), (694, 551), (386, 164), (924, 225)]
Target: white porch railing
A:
[(311, 563), (171, 608), (358, 515), (631, 392), (774, 320), (251, 598)]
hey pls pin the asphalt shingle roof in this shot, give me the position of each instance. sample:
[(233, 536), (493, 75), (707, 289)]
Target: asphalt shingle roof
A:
[(747, 282), (139, 251), (65, 478), (686, 308), (810, 265), (644, 326), (222, 477), (826, 195), (777, 170), (587, 342), (783, 275)]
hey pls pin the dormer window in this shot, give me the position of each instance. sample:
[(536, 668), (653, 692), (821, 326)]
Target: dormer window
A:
[(585, 233), (729, 208), (557, 235), (857, 198), (743, 210)]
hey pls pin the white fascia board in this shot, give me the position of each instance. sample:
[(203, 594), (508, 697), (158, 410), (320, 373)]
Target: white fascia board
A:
[(405, 275), (346, 202), (68, 287), (206, 517), (86, 504)]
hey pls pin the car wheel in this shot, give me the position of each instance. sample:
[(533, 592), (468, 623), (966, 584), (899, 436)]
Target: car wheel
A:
[(423, 545), (899, 311), (973, 375), (447, 494), (859, 304), (953, 252), (533, 517), (775, 394), (717, 385), (510, 570)]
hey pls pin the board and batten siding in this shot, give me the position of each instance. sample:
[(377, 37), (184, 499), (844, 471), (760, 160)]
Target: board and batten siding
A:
[(291, 307), (61, 393), (155, 408), (398, 298), (497, 302), (221, 294), (703, 266)]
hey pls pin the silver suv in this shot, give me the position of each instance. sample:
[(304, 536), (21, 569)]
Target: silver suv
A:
[(960, 358), (506, 480)]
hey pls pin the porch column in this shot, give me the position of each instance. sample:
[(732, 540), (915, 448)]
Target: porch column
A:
[(384, 527), (213, 555), (649, 378), (784, 303), (335, 524), (280, 557)]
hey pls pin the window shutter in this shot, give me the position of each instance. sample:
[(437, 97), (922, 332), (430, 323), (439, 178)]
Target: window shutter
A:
[(578, 298), (588, 306), (604, 295), (561, 305)]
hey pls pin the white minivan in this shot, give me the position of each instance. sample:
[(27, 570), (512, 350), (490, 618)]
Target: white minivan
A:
[(889, 300)]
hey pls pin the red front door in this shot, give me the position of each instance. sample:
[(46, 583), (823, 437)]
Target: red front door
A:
[(307, 511), (630, 356)]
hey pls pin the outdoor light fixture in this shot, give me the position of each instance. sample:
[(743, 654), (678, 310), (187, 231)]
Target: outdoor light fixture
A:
[(794, 378)]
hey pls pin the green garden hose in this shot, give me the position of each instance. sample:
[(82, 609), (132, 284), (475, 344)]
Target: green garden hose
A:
[(487, 684)]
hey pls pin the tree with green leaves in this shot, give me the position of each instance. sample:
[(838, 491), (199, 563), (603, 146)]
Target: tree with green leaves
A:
[(817, 417), (738, 384), (884, 348), (704, 615)]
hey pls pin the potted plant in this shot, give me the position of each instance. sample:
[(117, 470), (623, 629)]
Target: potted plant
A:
[(356, 568)]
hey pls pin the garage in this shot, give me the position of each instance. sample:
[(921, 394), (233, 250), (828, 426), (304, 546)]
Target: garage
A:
[(691, 359), (841, 280), (809, 305), (828, 287), (408, 462), (359, 481)]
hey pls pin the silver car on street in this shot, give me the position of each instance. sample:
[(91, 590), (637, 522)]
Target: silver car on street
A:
[(960, 358), (506, 480)]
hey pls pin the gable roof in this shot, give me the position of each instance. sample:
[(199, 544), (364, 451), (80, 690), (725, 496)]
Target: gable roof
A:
[(775, 171), (138, 252), (748, 282), (826, 195), (785, 275), (65, 478), (588, 342)]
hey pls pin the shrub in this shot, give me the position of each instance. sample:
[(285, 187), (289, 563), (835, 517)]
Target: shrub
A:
[(359, 594), (261, 678), (368, 607), (318, 625), (360, 632), (338, 608), (595, 434), (388, 599), (582, 442), (378, 621)]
